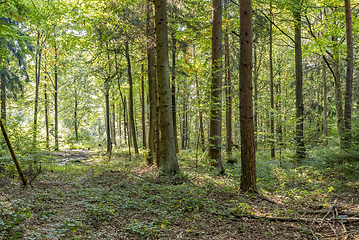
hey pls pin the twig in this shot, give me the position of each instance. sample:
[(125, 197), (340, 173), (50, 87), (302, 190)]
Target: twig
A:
[(335, 202), (334, 231), (345, 230)]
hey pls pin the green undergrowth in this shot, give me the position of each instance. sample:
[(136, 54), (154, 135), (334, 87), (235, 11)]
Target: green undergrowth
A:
[(123, 198)]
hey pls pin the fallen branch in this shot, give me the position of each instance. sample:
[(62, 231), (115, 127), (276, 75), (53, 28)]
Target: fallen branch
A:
[(288, 219), (21, 174), (320, 211), (331, 208)]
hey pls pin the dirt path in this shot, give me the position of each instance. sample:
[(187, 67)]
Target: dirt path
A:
[(71, 155)]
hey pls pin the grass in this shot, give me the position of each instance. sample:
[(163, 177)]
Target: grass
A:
[(125, 199)]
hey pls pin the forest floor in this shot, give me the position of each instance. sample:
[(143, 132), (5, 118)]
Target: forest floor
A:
[(80, 194)]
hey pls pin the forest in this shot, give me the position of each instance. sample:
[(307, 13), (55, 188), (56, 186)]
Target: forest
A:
[(179, 119)]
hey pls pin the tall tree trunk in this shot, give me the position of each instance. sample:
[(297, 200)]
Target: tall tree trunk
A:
[(299, 81), (113, 122), (108, 134), (56, 110), (143, 103), (3, 95), (37, 85), (201, 130), (75, 119), (168, 164), (248, 157), (47, 116), (349, 78), (338, 94), (107, 101), (130, 100), (215, 135), (152, 86), (173, 90), (184, 114), (272, 149), (255, 97), (228, 100), (325, 108)]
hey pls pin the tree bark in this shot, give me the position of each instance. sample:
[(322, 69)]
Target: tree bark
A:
[(338, 94), (299, 82), (201, 131), (108, 134), (21, 174), (56, 110), (255, 97), (47, 116), (228, 99), (3, 95), (75, 118), (271, 90), (37, 85), (349, 77), (325, 108), (114, 122), (168, 164), (130, 100), (184, 117), (173, 90), (248, 157), (152, 86), (143, 104), (215, 135)]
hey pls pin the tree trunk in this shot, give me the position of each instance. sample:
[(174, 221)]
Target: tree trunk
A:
[(248, 157), (272, 151), (338, 94), (113, 122), (56, 110), (299, 82), (37, 85), (21, 174), (349, 78), (168, 164), (201, 131), (152, 87), (3, 95), (143, 104), (108, 133), (255, 97), (184, 117), (228, 100), (215, 135), (325, 108), (47, 116), (130, 100), (173, 90), (75, 119)]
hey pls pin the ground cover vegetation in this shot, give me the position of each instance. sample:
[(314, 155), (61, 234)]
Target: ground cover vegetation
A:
[(179, 119)]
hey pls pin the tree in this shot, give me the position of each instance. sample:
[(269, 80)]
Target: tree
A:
[(299, 80), (248, 178), (215, 139), (152, 85), (350, 67), (130, 99), (167, 156)]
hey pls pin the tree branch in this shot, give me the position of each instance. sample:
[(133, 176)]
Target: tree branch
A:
[(277, 26)]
